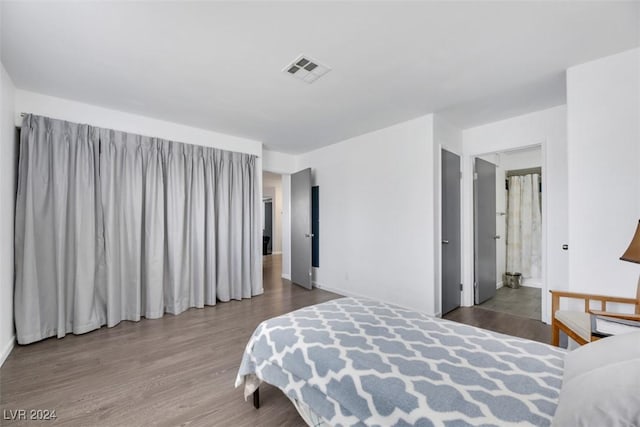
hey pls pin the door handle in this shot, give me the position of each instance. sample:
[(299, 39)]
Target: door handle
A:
[(445, 242), (496, 237), (309, 235)]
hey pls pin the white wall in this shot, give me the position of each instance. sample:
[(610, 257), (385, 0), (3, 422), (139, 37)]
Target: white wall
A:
[(546, 127), (377, 216), (603, 99), (277, 162), (446, 135), (272, 187), (64, 109), (521, 159), (8, 170)]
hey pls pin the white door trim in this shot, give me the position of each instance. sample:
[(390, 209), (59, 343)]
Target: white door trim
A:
[(467, 221)]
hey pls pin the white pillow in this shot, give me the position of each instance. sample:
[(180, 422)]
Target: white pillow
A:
[(604, 397), (601, 384), (606, 351)]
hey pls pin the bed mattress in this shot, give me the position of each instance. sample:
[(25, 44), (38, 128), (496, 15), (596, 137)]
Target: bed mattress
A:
[(354, 361)]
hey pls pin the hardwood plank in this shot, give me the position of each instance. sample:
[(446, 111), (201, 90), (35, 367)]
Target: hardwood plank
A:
[(178, 370), (502, 322)]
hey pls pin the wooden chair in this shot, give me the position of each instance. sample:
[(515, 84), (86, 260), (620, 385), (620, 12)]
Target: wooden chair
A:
[(577, 324)]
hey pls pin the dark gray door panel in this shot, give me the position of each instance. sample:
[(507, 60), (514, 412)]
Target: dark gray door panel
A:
[(484, 201), (301, 228), (451, 243)]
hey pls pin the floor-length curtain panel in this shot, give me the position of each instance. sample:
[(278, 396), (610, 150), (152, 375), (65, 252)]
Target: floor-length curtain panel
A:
[(186, 225), (161, 205), (237, 226), (524, 231), (113, 226), (58, 243), (132, 187)]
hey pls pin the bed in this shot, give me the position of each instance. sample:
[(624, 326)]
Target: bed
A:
[(354, 361)]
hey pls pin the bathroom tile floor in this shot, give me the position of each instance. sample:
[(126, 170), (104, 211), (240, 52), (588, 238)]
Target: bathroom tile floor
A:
[(523, 302)]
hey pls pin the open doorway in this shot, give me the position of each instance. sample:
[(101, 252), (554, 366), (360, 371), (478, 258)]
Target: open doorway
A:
[(267, 226), (272, 214), (508, 228)]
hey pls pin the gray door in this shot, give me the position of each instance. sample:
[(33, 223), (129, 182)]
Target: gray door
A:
[(451, 246), (301, 228), (484, 203)]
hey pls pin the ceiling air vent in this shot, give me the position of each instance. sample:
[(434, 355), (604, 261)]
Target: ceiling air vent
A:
[(306, 69)]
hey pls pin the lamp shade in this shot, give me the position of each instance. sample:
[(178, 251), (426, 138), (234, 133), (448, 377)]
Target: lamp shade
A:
[(633, 251)]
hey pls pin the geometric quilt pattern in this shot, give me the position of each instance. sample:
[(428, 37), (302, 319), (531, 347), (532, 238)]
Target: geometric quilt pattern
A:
[(358, 362)]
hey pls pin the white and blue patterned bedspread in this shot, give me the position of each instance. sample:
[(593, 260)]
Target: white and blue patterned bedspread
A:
[(359, 362)]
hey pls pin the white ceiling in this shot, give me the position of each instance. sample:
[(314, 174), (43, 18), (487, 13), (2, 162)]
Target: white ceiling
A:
[(218, 65)]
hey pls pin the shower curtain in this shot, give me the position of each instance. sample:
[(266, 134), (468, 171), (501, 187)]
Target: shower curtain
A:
[(524, 226), (112, 226)]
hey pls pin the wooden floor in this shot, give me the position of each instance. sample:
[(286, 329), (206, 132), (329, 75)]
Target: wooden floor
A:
[(502, 322), (178, 370)]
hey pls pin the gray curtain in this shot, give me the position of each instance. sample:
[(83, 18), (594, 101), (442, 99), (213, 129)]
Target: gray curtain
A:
[(112, 226)]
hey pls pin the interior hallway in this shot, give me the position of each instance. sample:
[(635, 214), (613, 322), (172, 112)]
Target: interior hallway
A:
[(523, 301)]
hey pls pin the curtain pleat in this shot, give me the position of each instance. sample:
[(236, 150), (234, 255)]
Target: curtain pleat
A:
[(514, 240), (153, 231), (210, 244), (222, 208), (122, 197), (112, 226), (175, 224)]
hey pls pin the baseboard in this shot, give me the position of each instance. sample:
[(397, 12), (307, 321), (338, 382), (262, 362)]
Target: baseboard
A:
[(6, 351), (525, 283), (323, 287), (334, 290), (286, 276), (532, 283)]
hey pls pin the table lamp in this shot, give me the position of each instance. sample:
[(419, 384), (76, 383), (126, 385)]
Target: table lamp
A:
[(632, 254)]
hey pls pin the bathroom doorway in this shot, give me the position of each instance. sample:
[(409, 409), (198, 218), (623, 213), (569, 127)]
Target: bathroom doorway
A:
[(508, 232)]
